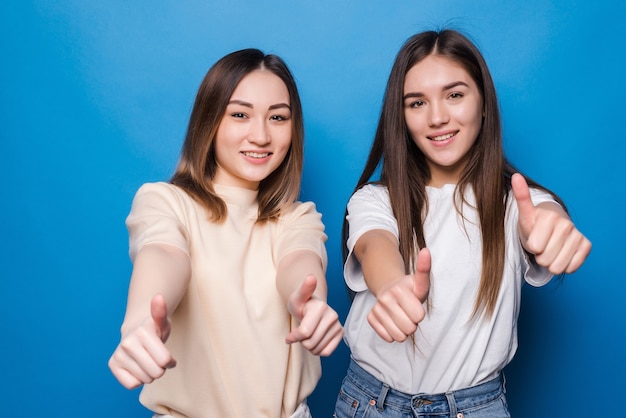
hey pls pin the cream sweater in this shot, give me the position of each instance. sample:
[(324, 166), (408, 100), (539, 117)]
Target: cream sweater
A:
[(228, 332)]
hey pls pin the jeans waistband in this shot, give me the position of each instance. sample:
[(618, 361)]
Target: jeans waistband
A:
[(422, 402)]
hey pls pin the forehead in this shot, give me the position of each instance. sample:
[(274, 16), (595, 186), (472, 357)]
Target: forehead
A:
[(435, 72), (261, 85)]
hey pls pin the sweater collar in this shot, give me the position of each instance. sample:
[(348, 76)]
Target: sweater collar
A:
[(244, 198)]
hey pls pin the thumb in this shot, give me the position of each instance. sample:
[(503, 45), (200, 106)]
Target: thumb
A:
[(302, 295), (524, 204), (421, 278), (158, 311)]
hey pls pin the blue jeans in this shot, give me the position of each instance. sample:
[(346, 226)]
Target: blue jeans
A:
[(364, 396)]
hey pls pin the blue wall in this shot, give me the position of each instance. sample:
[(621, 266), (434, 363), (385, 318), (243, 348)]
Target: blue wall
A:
[(94, 100)]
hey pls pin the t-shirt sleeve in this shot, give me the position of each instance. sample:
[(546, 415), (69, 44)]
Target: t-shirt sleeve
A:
[(301, 228), (369, 208), (535, 274), (156, 217)]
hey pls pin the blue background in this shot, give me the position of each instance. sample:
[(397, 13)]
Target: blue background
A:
[(94, 101)]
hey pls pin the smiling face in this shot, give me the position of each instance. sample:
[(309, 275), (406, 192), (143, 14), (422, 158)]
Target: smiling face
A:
[(443, 109), (254, 135)]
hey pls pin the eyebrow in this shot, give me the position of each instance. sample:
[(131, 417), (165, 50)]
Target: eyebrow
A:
[(446, 87), (247, 104)]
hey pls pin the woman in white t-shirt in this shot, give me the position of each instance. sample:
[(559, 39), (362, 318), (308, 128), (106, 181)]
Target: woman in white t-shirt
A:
[(439, 246), (227, 312)]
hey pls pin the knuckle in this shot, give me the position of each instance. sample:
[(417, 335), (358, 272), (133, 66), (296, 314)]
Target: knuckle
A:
[(305, 330), (163, 362), (126, 344), (334, 316), (309, 345)]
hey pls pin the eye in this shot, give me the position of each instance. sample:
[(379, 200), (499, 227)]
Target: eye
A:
[(456, 95), (238, 115), (279, 117), (417, 103)]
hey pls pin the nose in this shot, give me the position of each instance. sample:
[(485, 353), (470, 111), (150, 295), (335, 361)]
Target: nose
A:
[(438, 114), (259, 133)]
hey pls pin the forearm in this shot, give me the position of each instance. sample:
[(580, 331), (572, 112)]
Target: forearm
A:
[(157, 268), (377, 252), (399, 296), (297, 266)]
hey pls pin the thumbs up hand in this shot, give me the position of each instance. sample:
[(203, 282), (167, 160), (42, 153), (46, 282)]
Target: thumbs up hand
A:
[(547, 232), (319, 330), (141, 357), (399, 306)]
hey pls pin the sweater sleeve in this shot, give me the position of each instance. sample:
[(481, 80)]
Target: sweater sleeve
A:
[(301, 228), (156, 217)]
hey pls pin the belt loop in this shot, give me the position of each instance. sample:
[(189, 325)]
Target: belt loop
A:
[(380, 402), (451, 404)]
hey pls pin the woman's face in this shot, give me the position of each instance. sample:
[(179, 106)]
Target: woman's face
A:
[(443, 109), (254, 135)]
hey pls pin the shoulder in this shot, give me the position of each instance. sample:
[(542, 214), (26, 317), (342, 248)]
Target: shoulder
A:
[(370, 195), (371, 189), (300, 212), (370, 208), (536, 195), (540, 196), (159, 214), (299, 206), (300, 226), (152, 193), (160, 189), (163, 199)]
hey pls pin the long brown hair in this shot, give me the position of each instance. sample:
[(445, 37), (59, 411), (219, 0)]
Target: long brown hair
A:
[(405, 172), (197, 165)]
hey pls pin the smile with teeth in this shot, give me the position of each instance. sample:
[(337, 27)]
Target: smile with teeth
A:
[(256, 154), (442, 137)]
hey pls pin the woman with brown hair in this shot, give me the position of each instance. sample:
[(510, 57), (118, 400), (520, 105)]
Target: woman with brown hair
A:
[(438, 248), (227, 312)]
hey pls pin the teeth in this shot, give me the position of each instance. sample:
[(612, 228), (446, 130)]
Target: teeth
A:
[(256, 154), (442, 137)]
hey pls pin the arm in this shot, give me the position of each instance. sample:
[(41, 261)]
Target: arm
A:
[(158, 282), (300, 282), (399, 297), (547, 232)]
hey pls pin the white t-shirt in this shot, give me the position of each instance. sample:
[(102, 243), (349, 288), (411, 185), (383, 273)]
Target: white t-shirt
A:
[(452, 350)]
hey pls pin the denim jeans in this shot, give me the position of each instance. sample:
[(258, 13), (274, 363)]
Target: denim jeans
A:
[(364, 396)]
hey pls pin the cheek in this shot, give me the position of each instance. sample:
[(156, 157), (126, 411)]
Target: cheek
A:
[(416, 128), (224, 136), (476, 123), (282, 138), (220, 153), (413, 123), (471, 116)]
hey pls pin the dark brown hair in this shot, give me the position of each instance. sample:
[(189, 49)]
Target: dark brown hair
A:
[(405, 172), (197, 165)]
